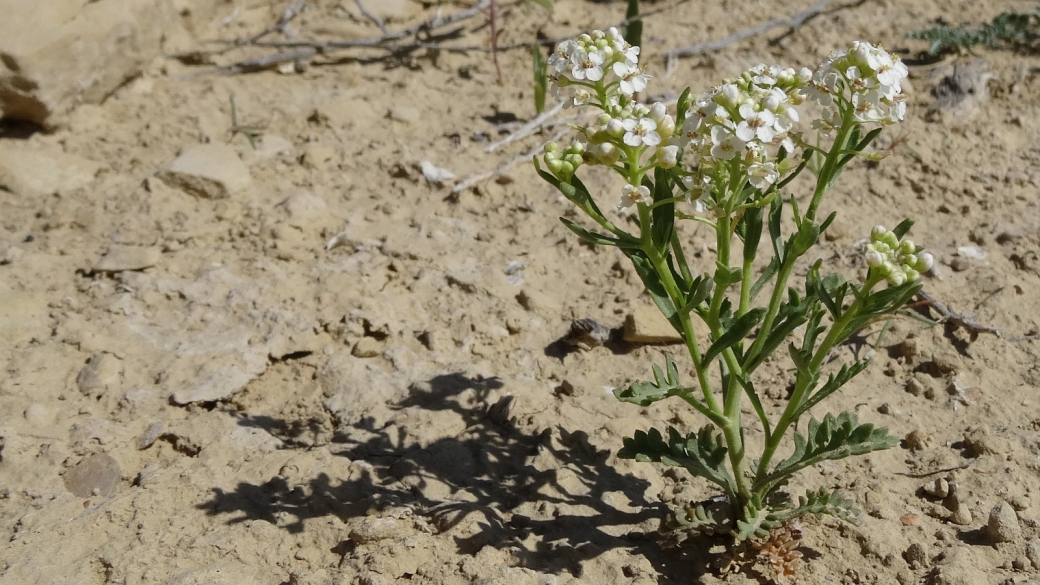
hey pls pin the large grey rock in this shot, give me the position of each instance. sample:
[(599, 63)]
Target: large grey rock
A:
[(209, 170)]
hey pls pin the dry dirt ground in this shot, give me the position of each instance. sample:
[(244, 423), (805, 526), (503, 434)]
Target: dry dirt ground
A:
[(221, 400)]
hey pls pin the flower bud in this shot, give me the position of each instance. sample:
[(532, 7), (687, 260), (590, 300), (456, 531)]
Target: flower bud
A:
[(615, 128), (924, 262), (606, 153), (667, 156), (874, 258), (896, 278), (657, 112), (911, 274), (550, 147), (877, 232), (566, 169), (907, 247), (804, 75), (666, 127), (555, 166)]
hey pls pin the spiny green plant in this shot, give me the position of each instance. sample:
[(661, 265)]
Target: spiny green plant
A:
[(1008, 29), (726, 159)]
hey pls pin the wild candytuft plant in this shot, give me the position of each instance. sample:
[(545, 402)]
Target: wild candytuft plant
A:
[(725, 159)]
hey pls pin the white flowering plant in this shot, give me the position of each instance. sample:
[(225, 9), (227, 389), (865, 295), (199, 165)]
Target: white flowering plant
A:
[(726, 159)]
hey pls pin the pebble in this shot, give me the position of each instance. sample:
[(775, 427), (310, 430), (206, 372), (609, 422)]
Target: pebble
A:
[(1033, 552), (910, 520), (101, 372), (982, 441), (1021, 563), (119, 258), (367, 347), (37, 414), (917, 556), (1003, 524), (646, 324), (959, 264), (209, 170), (918, 440), (96, 475), (940, 488), (406, 114), (375, 529), (962, 515), (435, 174), (152, 433)]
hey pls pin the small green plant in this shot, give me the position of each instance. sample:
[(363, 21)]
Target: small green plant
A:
[(541, 78), (725, 159), (1009, 28)]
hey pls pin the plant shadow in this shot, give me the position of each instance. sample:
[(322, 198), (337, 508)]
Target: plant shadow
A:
[(550, 495)]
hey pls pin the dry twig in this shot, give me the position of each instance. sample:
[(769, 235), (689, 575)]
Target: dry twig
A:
[(966, 321), (792, 22), (528, 128), (378, 21)]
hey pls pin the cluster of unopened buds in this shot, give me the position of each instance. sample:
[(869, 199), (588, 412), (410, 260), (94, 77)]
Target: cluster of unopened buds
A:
[(563, 163), (874, 79), (897, 261)]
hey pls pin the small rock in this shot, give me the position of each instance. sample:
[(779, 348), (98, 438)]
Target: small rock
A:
[(499, 412), (910, 519), (906, 349), (1003, 524), (148, 475), (918, 440), (317, 156), (376, 529), (972, 252), (304, 207), (434, 174), (959, 264), (886, 408), (917, 556), (33, 173), (586, 334), (96, 475), (406, 114), (646, 324), (37, 415), (229, 573), (982, 441), (367, 347), (914, 387), (940, 488), (152, 433), (254, 439), (1033, 552), (962, 515), (210, 170), (536, 302), (11, 255), (101, 373), (1021, 563), (119, 258)]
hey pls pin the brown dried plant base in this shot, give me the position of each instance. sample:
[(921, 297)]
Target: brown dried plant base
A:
[(778, 553)]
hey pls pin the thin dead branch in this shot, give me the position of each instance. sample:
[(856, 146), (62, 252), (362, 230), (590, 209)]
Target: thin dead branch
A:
[(375, 19), (527, 129), (966, 321), (793, 22), (505, 167)]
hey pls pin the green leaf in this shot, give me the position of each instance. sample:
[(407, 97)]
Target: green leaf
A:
[(541, 79), (633, 31), (546, 176), (819, 503), (868, 139), (665, 385), (836, 437), (833, 383), (903, 227), (792, 314), (590, 206), (652, 281), (735, 333), (703, 454), (767, 275), (593, 237), (663, 216), (681, 107), (758, 521), (715, 519), (756, 402), (700, 290), (750, 229), (775, 235)]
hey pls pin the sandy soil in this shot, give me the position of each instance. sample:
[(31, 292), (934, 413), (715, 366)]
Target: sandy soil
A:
[(208, 419)]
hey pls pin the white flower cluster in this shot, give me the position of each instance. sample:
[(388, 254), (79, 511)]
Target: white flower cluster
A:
[(749, 118), (874, 79), (582, 62), (897, 261)]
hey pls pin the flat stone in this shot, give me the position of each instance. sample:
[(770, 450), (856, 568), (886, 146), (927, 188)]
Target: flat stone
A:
[(97, 475), (376, 529), (36, 173), (406, 114), (646, 324), (153, 432), (222, 384), (254, 439), (211, 170), (119, 258), (229, 573), (367, 347)]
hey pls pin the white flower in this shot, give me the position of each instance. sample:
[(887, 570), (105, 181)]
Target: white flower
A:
[(640, 132), (631, 195), (667, 156), (561, 57), (634, 81), (587, 65), (762, 175), (758, 124), (725, 144)]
